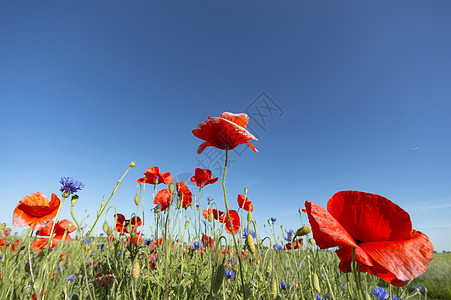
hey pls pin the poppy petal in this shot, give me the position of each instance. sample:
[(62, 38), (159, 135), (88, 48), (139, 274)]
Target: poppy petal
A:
[(370, 217), (203, 146), (406, 259), (239, 119)]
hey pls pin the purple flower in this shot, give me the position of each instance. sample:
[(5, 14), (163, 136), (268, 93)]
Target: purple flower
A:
[(380, 293), (70, 278), (70, 185), (229, 274)]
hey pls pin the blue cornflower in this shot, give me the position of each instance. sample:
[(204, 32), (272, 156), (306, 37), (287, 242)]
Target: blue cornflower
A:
[(229, 274), (100, 246), (278, 247), (70, 278), (148, 241), (87, 241), (284, 286), (323, 276), (318, 297), (380, 293), (157, 208), (246, 232), (395, 298), (1, 256), (70, 185), (416, 287), (289, 236), (273, 220), (102, 234), (196, 245)]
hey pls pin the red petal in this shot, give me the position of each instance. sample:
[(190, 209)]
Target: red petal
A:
[(370, 217), (406, 259), (239, 119)]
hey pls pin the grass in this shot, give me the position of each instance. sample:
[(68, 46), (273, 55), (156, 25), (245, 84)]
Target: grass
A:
[(119, 266)]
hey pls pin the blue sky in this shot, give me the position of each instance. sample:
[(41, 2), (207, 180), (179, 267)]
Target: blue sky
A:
[(88, 87)]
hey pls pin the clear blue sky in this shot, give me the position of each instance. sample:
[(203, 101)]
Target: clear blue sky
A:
[(88, 86)]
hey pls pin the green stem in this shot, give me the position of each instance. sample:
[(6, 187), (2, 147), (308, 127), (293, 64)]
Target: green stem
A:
[(356, 277), (230, 220)]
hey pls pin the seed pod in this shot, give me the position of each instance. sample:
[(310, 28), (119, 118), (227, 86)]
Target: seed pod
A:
[(217, 279), (249, 217), (73, 200), (136, 200), (136, 270), (316, 283), (210, 216), (250, 244), (304, 230)]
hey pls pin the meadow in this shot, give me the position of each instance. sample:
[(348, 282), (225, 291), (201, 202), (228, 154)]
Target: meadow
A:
[(213, 252)]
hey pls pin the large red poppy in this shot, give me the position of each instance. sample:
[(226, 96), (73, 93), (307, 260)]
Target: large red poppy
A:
[(379, 230), (202, 177), (184, 193), (153, 174), (122, 223), (35, 210), (59, 230), (216, 213), (163, 198), (39, 244), (224, 132), (235, 221), (244, 203)]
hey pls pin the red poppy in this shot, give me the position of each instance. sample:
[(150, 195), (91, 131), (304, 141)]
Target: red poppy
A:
[(224, 132), (207, 241), (7, 231), (297, 244), (244, 203), (39, 244), (235, 221), (379, 230), (216, 213), (35, 210), (153, 174), (184, 193), (59, 230), (122, 223), (203, 177), (163, 198), (135, 238)]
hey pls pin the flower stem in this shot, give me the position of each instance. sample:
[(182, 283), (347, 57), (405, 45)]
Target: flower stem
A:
[(357, 279), (230, 220)]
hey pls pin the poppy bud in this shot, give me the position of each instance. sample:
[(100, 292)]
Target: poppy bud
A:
[(300, 210), (245, 192), (105, 227), (66, 195), (316, 283), (132, 164), (250, 244), (129, 227), (136, 200), (186, 224), (210, 216), (274, 287), (171, 188), (192, 204), (73, 200), (179, 203), (269, 222), (209, 200), (28, 231), (249, 216), (268, 269), (367, 296), (2, 226), (304, 230), (217, 279), (136, 270)]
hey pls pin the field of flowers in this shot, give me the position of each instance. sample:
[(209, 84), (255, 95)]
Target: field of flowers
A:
[(362, 247)]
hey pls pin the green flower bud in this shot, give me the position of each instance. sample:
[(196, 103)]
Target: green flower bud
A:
[(105, 227), (250, 244), (210, 217), (136, 269), (171, 188), (316, 283), (73, 200), (136, 200), (304, 230), (249, 216), (217, 279), (2, 226), (132, 164)]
